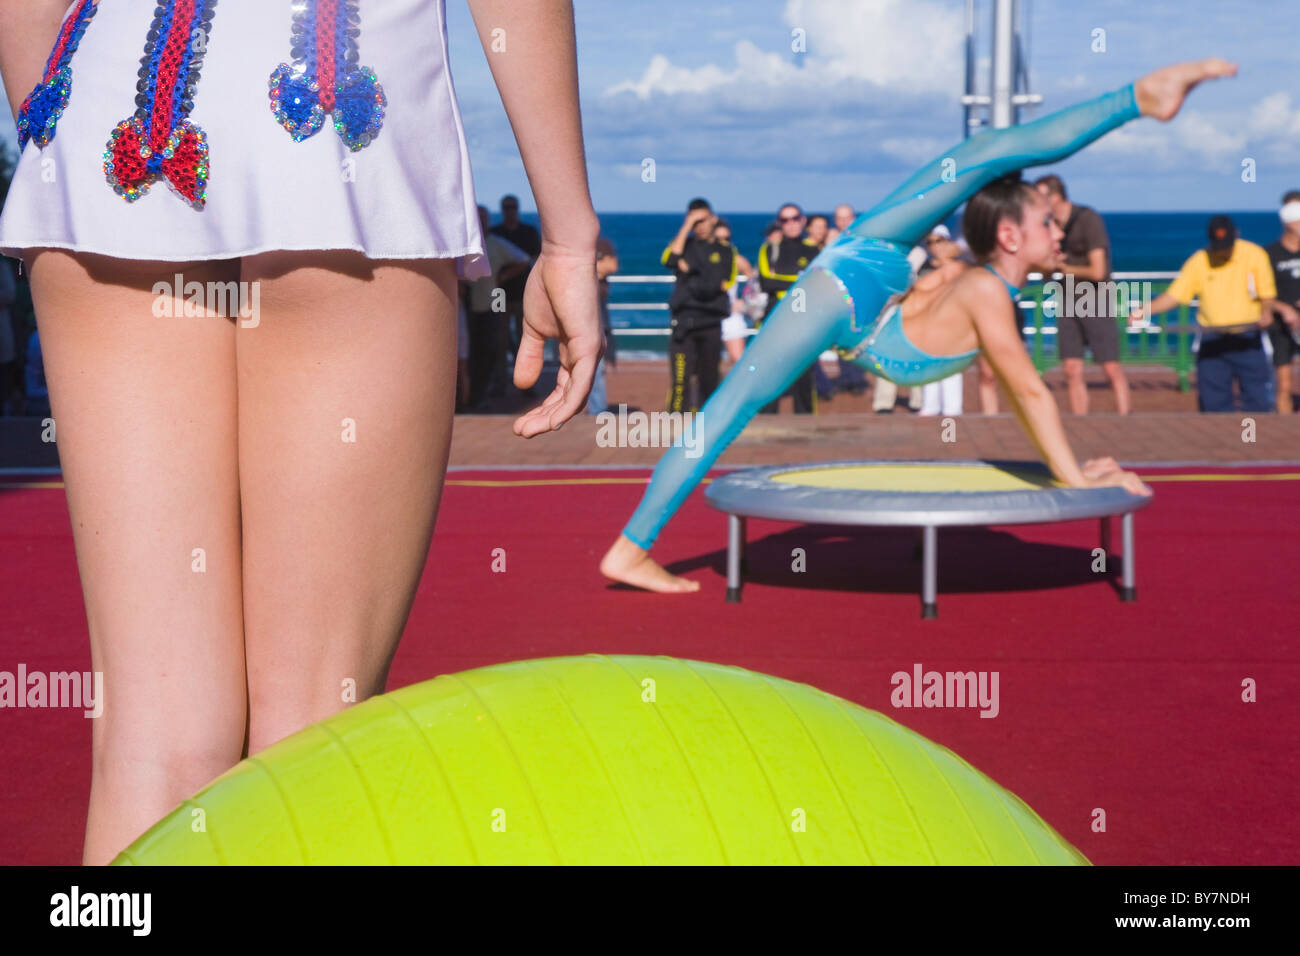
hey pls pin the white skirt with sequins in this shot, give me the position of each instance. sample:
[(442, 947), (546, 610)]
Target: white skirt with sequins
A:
[(407, 194)]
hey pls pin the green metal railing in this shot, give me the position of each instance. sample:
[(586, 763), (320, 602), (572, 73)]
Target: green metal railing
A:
[(1166, 341)]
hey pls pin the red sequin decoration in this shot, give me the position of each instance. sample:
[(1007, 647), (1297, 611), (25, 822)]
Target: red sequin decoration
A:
[(326, 23), (169, 65)]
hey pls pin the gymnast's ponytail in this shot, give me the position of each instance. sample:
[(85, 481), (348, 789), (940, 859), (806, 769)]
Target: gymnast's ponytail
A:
[(1004, 198)]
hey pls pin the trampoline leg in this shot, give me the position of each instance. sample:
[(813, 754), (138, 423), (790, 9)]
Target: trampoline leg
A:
[(744, 553), (1129, 591), (735, 556), (929, 572)]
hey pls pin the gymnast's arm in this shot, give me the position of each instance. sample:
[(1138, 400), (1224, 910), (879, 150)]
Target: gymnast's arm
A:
[(1034, 405), (537, 77), (28, 29)]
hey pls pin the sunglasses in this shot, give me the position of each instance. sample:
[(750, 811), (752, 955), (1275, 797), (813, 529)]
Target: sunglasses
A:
[(789, 218)]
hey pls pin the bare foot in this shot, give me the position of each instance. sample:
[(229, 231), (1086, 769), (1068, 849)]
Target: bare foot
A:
[(1161, 94), (630, 564)]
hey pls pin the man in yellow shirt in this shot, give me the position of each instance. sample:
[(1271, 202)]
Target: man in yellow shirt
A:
[(1233, 279)]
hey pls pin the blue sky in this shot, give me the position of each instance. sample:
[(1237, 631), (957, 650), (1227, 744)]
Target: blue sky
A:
[(713, 93)]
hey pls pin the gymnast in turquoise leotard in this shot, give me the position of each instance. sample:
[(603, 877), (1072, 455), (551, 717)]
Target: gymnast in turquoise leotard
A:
[(851, 298)]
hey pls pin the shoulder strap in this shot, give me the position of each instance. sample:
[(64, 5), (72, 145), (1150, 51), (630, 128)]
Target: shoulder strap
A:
[(1011, 290)]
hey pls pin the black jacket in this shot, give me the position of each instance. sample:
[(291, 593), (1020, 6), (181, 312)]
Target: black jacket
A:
[(776, 273), (699, 299)]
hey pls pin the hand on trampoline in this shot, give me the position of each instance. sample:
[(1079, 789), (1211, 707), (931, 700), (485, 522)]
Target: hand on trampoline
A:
[(560, 302), (1118, 478), (1096, 467)]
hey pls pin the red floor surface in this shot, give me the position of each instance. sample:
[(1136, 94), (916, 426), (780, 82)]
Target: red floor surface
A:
[(1132, 709)]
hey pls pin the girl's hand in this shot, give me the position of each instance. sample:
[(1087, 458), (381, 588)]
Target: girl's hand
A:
[(1096, 467), (1121, 479), (560, 302)]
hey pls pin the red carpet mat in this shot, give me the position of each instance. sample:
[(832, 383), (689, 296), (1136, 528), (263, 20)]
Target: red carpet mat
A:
[(1127, 714)]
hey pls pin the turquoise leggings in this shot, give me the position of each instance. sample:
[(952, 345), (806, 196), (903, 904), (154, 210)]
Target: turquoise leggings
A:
[(838, 297)]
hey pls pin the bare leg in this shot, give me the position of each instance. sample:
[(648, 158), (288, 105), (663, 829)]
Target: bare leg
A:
[(1284, 389), (145, 412), (1119, 382), (1077, 387), (346, 390)]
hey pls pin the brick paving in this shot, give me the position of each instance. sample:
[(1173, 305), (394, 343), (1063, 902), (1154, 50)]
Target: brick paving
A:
[(1164, 427)]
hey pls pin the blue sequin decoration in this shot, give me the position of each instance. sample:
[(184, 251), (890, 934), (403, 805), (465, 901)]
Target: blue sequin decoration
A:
[(294, 91), (39, 114)]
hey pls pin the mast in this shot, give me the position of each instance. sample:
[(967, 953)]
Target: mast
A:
[(1008, 76)]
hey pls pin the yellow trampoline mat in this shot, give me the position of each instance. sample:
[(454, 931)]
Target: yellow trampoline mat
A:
[(936, 477)]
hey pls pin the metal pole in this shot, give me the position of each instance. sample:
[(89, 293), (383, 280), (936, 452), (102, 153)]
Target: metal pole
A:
[(1129, 593), (968, 103), (929, 572), (735, 554), (1020, 79), (1004, 76)]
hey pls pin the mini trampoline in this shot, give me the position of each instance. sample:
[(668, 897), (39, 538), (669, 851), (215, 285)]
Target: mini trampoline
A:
[(920, 494)]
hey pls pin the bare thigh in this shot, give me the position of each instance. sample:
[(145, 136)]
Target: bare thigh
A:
[(346, 394), (144, 410)]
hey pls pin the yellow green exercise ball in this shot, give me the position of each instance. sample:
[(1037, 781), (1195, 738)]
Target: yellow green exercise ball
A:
[(600, 760)]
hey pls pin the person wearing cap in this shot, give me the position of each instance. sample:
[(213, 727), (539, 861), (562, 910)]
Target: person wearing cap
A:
[(699, 302), (1233, 279), (1285, 338), (1087, 257)]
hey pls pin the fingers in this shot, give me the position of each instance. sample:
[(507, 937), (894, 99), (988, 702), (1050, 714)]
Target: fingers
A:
[(1134, 485), (528, 360), (577, 389), (540, 418), (568, 398)]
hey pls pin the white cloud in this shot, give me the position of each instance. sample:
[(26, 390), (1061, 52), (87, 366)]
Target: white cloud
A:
[(913, 150), (1273, 116), (915, 45), (662, 77), (910, 45), (1198, 133), (1191, 134)]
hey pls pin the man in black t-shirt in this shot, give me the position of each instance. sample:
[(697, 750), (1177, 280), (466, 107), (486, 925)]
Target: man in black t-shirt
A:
[(1285, 337), (705, 269), (523, 236), (1082, 322)]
